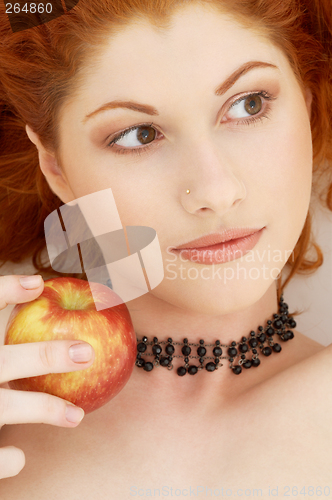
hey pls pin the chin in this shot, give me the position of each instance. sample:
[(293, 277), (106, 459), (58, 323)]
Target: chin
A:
[(200, 297)]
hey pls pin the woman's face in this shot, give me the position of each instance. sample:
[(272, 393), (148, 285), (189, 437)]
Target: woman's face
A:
[(248, 165)]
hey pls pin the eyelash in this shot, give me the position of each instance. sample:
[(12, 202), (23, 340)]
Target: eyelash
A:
[(246, 121)]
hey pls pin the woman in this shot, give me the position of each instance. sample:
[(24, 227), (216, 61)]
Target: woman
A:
[(241, 102)]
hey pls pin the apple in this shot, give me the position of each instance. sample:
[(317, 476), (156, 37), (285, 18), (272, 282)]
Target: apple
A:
[(66, 310)]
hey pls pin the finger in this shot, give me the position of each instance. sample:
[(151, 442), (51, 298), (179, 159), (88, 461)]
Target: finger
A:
[(24, 407), (12, 461), (39, 358), (12, 292)]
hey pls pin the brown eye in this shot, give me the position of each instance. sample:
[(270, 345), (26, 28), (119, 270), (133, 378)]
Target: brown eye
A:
[(146, 134), (253, 104)]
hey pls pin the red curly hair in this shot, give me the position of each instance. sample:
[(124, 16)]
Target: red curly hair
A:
[(40, 68)]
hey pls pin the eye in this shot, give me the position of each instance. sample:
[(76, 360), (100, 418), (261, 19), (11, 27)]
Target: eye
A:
[(248, 105), (135, 136), (136, 140), (251, 104)]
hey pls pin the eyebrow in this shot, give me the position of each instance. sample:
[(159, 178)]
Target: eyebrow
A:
[(150, 110)]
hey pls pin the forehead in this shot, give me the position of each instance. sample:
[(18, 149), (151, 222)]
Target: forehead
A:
[(198, 40), (171, 68)]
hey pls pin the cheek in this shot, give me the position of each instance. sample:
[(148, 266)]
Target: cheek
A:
[(279, 163), (290, 165), (278, 175)]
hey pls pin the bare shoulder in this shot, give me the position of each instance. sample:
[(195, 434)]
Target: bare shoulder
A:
[(304, 383)]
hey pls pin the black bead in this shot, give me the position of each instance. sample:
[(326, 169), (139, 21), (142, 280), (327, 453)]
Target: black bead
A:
[(267, 351), (192, 369), (155, 340), (186, 350), (244, 339), (262, 337), (217, 342), (145, 339), (277, 324), (253, 342), (201, 351), (270, 331), (148, 366), (201, 341), (210, 367), (243, 348), (276, 347), (269, 322), (216, 360), (181, 371), (185, 341), (247, 364), (255, 362), (243, 356), (217, 351), (252, 333), (254, 351), (141, 347), (288, 335), (232, 351), (292, 323), (140, 362), (186, 360), (284, 318), (276, 316), (237, 369), (201, 360), (233, 343), (169, 340), (169, 349), (156, 349), (164, 361), (260, 328)]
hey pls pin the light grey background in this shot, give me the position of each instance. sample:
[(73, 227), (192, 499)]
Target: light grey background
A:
[(313, 293)]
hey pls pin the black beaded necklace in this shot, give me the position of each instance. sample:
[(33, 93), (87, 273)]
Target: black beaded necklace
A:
[(277, 326)]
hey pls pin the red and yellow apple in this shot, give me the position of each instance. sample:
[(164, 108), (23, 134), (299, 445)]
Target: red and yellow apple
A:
[(66, 310)]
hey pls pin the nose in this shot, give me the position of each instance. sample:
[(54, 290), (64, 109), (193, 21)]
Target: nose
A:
[(214, 181)]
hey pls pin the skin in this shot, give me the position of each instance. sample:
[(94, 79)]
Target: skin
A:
[(239, 175)]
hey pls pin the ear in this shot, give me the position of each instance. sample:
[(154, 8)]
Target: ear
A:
[(308, 100), (55, 177)]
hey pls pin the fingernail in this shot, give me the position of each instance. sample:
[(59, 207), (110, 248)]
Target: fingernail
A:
[(80, 353), (74, 414), (29, 282)]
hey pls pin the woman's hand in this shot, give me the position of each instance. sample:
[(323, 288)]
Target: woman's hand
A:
[(28, 360)]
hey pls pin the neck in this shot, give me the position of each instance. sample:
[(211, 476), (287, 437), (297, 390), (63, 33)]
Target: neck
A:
[(153, 317), (159, 392)]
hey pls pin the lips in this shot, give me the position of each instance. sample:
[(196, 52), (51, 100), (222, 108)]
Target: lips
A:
[(221, 237), (220, 247)]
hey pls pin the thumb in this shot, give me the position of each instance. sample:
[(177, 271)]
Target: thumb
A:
[(18, 289)]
